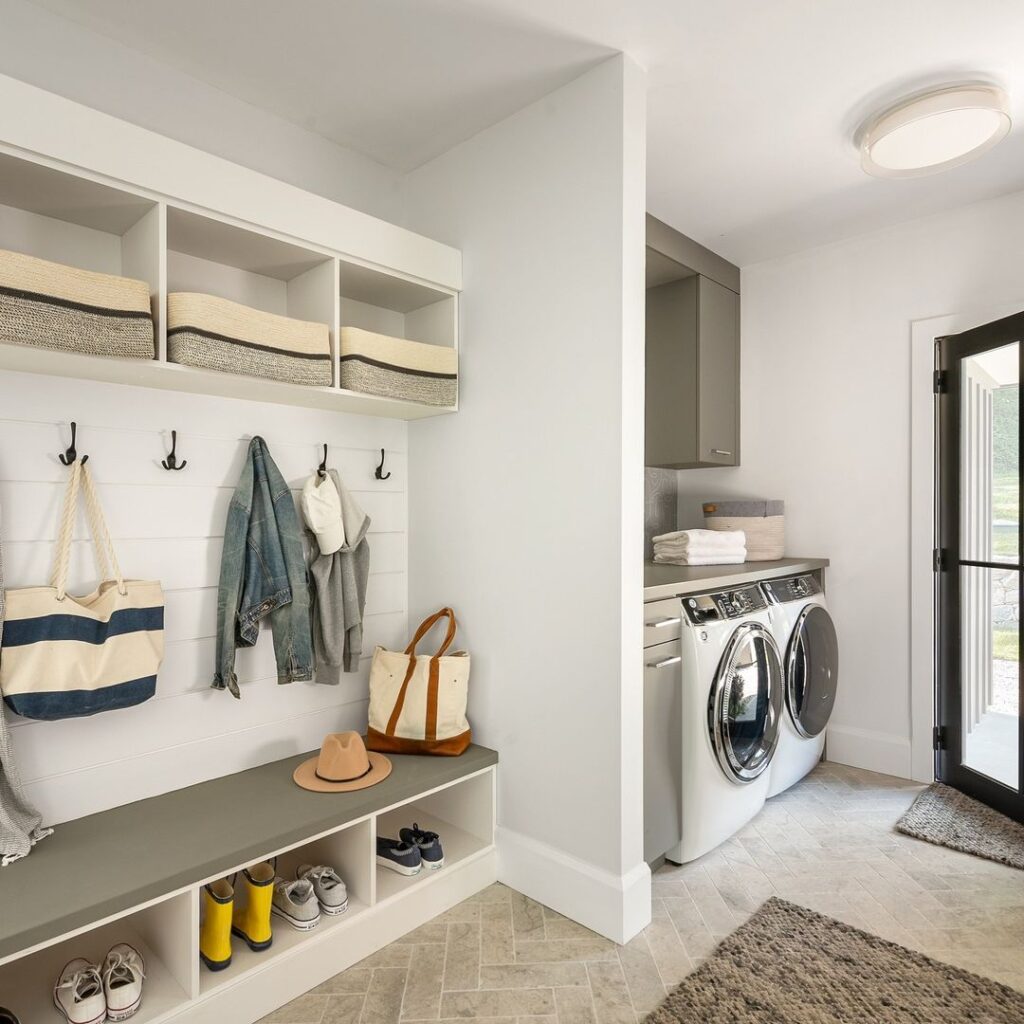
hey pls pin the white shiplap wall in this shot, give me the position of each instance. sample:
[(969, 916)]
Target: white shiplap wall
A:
[(169, 526)]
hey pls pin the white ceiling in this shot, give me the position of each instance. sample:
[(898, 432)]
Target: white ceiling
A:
[(752, 104)]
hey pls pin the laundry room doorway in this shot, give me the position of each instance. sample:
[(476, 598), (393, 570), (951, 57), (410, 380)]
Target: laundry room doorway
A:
[(979, 731)]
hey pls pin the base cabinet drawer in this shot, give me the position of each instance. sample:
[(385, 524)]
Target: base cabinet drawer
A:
[(663, 756), (663, 621)]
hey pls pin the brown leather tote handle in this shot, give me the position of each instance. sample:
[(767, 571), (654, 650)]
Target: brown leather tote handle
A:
[(427, 624)]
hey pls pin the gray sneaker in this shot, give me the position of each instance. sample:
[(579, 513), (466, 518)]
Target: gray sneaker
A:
[(327, 884), (296, 902), (7, 1016), (398, 856), (428, 843)]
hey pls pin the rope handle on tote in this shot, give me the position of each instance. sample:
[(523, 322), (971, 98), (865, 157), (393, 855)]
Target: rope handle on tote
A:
[(97, 525), (427, 624), (100, 533)]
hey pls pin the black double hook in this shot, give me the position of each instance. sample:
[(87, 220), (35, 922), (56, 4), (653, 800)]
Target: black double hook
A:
[(171, 462), (379, 471), (71, 454), (322, 468)]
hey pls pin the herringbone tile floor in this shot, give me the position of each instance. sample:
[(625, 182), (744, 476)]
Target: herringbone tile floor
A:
[(829, 844)]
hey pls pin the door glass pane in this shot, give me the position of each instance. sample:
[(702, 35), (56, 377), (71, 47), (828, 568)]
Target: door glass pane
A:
[(989, 456), (754, 699), (814, 671), (990, 671)]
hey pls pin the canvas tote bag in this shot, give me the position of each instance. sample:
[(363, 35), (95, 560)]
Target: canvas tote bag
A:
[(418, 704), (64, 656)]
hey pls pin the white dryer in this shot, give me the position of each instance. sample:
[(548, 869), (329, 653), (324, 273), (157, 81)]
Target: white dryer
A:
[(731, 708), (806, 634)]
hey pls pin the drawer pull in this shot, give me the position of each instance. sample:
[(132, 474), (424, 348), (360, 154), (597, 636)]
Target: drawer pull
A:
[(668, 621), (721, 451), (665, 662)]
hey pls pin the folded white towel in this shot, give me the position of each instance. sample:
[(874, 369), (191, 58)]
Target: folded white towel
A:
[(722, 558), (717, 540), (697, 552)]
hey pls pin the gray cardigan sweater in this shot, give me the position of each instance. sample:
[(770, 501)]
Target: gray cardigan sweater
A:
[(339, 591)]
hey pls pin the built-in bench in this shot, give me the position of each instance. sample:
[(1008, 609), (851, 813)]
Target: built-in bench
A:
[(134, 874)]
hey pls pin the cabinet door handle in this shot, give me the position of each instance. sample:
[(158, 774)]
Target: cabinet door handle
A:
[(665, 662), (720, 451), (668, 621)]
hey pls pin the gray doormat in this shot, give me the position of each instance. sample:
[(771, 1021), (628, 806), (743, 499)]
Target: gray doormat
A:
[(788, 965), (946, 817)]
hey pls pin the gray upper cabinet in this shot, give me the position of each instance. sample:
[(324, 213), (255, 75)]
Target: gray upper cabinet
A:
[(693, 355)]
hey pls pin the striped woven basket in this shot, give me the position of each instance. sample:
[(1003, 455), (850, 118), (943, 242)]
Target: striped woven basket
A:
[(216, 334), (394, 368), (763, 521), (49, 305)]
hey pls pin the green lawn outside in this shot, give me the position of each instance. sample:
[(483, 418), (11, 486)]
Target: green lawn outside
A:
[(1005, 508), (1006, 644)]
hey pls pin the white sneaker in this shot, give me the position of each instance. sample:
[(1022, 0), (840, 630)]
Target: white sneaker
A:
[(327, 884), (78, 993), (296, 903), (123, 971)]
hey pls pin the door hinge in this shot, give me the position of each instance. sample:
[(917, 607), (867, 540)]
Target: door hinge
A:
[(939, 737), (939, 379), (938, 560)]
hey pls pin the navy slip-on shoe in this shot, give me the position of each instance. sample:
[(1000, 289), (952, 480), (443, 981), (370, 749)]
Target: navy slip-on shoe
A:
[(398, 856), (428, 843)]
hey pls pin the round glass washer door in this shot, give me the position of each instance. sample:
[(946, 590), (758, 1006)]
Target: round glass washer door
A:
[(812, 670), (745, 703)]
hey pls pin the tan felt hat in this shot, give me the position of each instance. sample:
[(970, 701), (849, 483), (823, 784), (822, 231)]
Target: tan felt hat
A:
[(342, 766)]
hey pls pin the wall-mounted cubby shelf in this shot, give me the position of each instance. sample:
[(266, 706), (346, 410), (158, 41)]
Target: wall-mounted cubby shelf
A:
[(72, 216), (135, 874)]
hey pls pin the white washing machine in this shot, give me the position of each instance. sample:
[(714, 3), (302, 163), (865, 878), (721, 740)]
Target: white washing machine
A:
[(730, 704), (804, 631)]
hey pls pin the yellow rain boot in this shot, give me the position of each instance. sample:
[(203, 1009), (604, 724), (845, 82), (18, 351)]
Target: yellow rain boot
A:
[(215, 933), (252, 921)]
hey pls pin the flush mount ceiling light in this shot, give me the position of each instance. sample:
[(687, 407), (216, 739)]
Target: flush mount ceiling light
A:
[(934, 131)]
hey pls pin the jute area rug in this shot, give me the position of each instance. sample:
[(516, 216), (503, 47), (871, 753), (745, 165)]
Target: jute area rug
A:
[(789, 965), (946, 817)]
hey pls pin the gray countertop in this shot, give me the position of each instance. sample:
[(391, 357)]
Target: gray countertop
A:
[(661, 581), (104, 864)]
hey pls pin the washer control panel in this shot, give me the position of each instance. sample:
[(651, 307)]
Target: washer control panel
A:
[(729, 604), (795, 588)]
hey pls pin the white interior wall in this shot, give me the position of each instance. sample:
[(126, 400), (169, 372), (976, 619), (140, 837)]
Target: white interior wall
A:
[(169, 526), (826, 393), (62, 57), (526, 508)]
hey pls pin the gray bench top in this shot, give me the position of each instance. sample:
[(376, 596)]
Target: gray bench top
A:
[(96, 867)]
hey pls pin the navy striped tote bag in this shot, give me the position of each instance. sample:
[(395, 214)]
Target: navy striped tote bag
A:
[(65, 656)]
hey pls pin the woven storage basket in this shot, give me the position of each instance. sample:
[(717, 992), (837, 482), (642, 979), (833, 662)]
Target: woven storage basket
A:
[(216, 334), (49, 305), (394, 368), (764, 523)]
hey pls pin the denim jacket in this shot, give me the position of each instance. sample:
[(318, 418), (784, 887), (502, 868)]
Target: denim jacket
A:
[(263, 572)]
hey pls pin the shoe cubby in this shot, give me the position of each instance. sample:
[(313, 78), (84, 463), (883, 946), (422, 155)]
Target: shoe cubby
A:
[(159, 932), (80, 222), (462, 815), (345, 851), (136, 874)]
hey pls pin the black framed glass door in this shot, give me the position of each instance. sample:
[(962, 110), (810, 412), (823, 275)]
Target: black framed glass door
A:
[(979, 736)]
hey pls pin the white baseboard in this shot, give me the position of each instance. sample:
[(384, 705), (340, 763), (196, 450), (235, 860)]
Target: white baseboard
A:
[(615, 906), (880, 752)]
